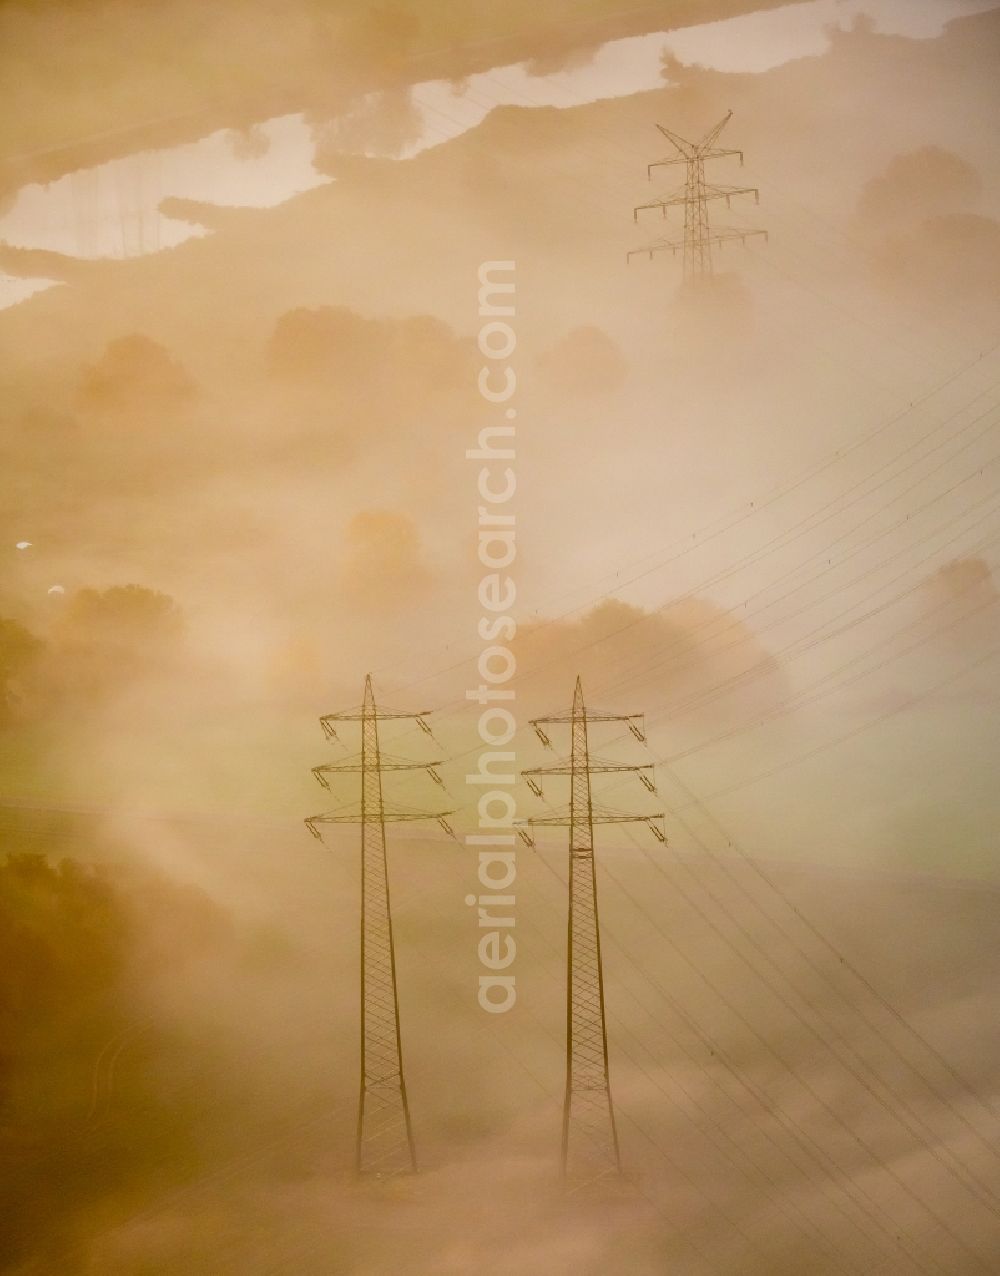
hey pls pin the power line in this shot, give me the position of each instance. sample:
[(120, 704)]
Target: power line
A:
[(858, 1195), (804, 524), (788, 1066), (820, 633), (787, 1206), (801, 698)]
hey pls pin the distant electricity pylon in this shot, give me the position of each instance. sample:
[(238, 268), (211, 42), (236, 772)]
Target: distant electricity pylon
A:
[(698, 236), (589, 1138), (384, 1136)]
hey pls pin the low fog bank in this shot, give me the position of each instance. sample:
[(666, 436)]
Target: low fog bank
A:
[(200, 1062)]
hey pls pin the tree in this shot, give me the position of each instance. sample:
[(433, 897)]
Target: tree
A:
[(19, 652), (83, 1116), (135, 375), (62, 951), (108, 637)]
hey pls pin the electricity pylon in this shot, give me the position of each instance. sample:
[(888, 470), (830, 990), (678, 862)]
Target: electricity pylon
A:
[(589, 1137), (695, 195), (384, 1136)]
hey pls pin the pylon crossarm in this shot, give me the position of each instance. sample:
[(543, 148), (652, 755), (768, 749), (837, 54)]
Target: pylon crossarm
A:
[(355, 816), (653, 821), (600, 817), (599, 764), (354, 765), (329, 817), (556, 820), (727, 192), (663, 163), (613, 817), (402, 816), (383, 715), (670, 202), (705, 155), (659, 247), (592, 716), (347, 715), (614, 768), (711, 192), (726, 236)]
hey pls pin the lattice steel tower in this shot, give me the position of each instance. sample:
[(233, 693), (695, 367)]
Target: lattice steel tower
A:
[(694, 196), (590, 1138), (384, 1136)]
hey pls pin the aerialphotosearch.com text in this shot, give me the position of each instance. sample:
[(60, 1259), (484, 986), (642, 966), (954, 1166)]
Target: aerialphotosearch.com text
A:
[(496, 483)]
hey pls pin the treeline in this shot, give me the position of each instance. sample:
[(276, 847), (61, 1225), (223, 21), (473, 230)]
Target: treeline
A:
[(85, 1115), (98, 641)]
